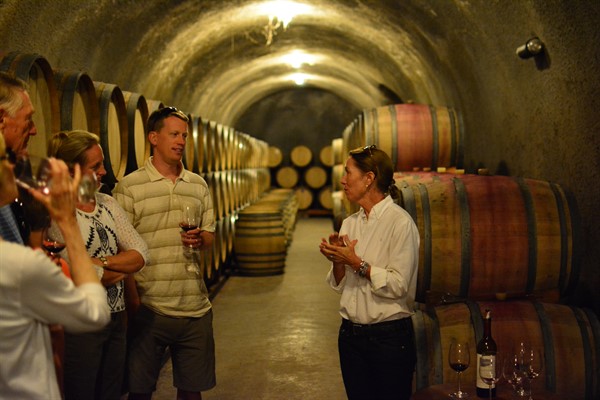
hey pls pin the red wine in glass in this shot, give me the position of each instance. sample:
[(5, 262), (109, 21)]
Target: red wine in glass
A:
[(187, 227), (459, 367), (53, 247)]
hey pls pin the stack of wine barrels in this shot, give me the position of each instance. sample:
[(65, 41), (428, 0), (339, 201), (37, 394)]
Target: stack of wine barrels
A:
[(510, 245), (233, 163), (264, 232), (307, 175)]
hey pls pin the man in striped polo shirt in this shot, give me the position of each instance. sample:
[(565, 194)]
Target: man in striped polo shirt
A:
[(175, 311)]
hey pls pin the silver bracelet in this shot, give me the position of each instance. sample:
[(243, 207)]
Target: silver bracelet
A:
[(363, 269)]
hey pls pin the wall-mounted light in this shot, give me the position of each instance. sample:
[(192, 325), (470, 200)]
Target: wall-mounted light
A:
[(531, 48)]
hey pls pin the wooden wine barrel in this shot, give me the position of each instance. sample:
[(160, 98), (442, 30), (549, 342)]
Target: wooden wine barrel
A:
[(326, 156), (261, 154), (225, 148), (287, 177), (244, 150), (224, 178), (114, 130), (487, 235), (570, 337), (315, 177), (325, 199), (413, 135), (36, 71), (337, 172), (352, 137), (211, 143), (228, 232), (79, 108), (275, 156), (137, 144), (154, 105), (260, 243), (287, 203), (301, 156), (341, 208), (213, 179), (208, 265), (191, 156), (263, 176), (337, 151), (305, 197), (238, 145)]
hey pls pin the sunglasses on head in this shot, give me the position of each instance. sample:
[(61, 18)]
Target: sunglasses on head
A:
[(159, 115), (365, 149)]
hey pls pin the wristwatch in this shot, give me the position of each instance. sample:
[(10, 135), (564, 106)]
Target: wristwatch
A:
[(363, 268), (104, 261)]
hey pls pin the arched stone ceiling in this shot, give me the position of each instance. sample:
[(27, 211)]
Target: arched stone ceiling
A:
[(222, 61), (214, 57)]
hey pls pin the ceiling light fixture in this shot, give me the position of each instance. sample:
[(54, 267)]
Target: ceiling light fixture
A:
[(280, 14)]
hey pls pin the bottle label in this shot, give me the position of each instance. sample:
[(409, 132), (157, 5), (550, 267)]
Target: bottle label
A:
[(486, 367)]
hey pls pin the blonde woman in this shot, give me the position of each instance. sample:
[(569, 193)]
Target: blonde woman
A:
[(95, 362)]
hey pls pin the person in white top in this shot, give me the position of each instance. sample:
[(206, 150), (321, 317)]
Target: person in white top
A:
[(34, 292), (374, 267)]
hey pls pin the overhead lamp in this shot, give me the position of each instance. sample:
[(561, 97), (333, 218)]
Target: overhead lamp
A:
[(280, 14), (531, 48)]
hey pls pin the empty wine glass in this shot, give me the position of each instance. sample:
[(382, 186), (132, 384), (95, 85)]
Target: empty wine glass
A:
[(53, 241), (489, 371), (512, 375), (190, 220), (533, 366), (459, 360)]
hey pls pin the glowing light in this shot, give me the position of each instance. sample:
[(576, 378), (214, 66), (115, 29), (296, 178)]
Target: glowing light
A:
[(283, 11), (280, 13), (298, 58), (299, 78)]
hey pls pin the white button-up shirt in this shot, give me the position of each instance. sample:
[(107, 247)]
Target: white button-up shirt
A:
[(389, 241)]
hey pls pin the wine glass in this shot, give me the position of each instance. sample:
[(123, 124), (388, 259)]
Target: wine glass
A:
[(489, 370), (512, 375), (533, 366), (190, 220), (53, 241), (33, 172), (459, 360)]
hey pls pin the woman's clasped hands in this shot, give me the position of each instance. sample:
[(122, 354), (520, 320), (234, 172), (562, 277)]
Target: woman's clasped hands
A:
[(339, 249)]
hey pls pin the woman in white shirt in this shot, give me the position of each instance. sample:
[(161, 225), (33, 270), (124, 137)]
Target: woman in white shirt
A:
[(35, 293), (374, 268)]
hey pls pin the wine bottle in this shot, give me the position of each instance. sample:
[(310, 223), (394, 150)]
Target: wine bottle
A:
[(485, 348)]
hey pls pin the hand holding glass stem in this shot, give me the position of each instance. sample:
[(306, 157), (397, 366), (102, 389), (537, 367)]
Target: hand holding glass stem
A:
[(190, 235)]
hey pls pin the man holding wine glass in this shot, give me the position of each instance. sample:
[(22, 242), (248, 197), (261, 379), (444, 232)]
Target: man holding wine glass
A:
[(175, 311)]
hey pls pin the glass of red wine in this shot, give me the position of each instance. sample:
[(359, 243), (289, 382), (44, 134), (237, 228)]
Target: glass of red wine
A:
[(459, 360), (190, 220), (53, 242)]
